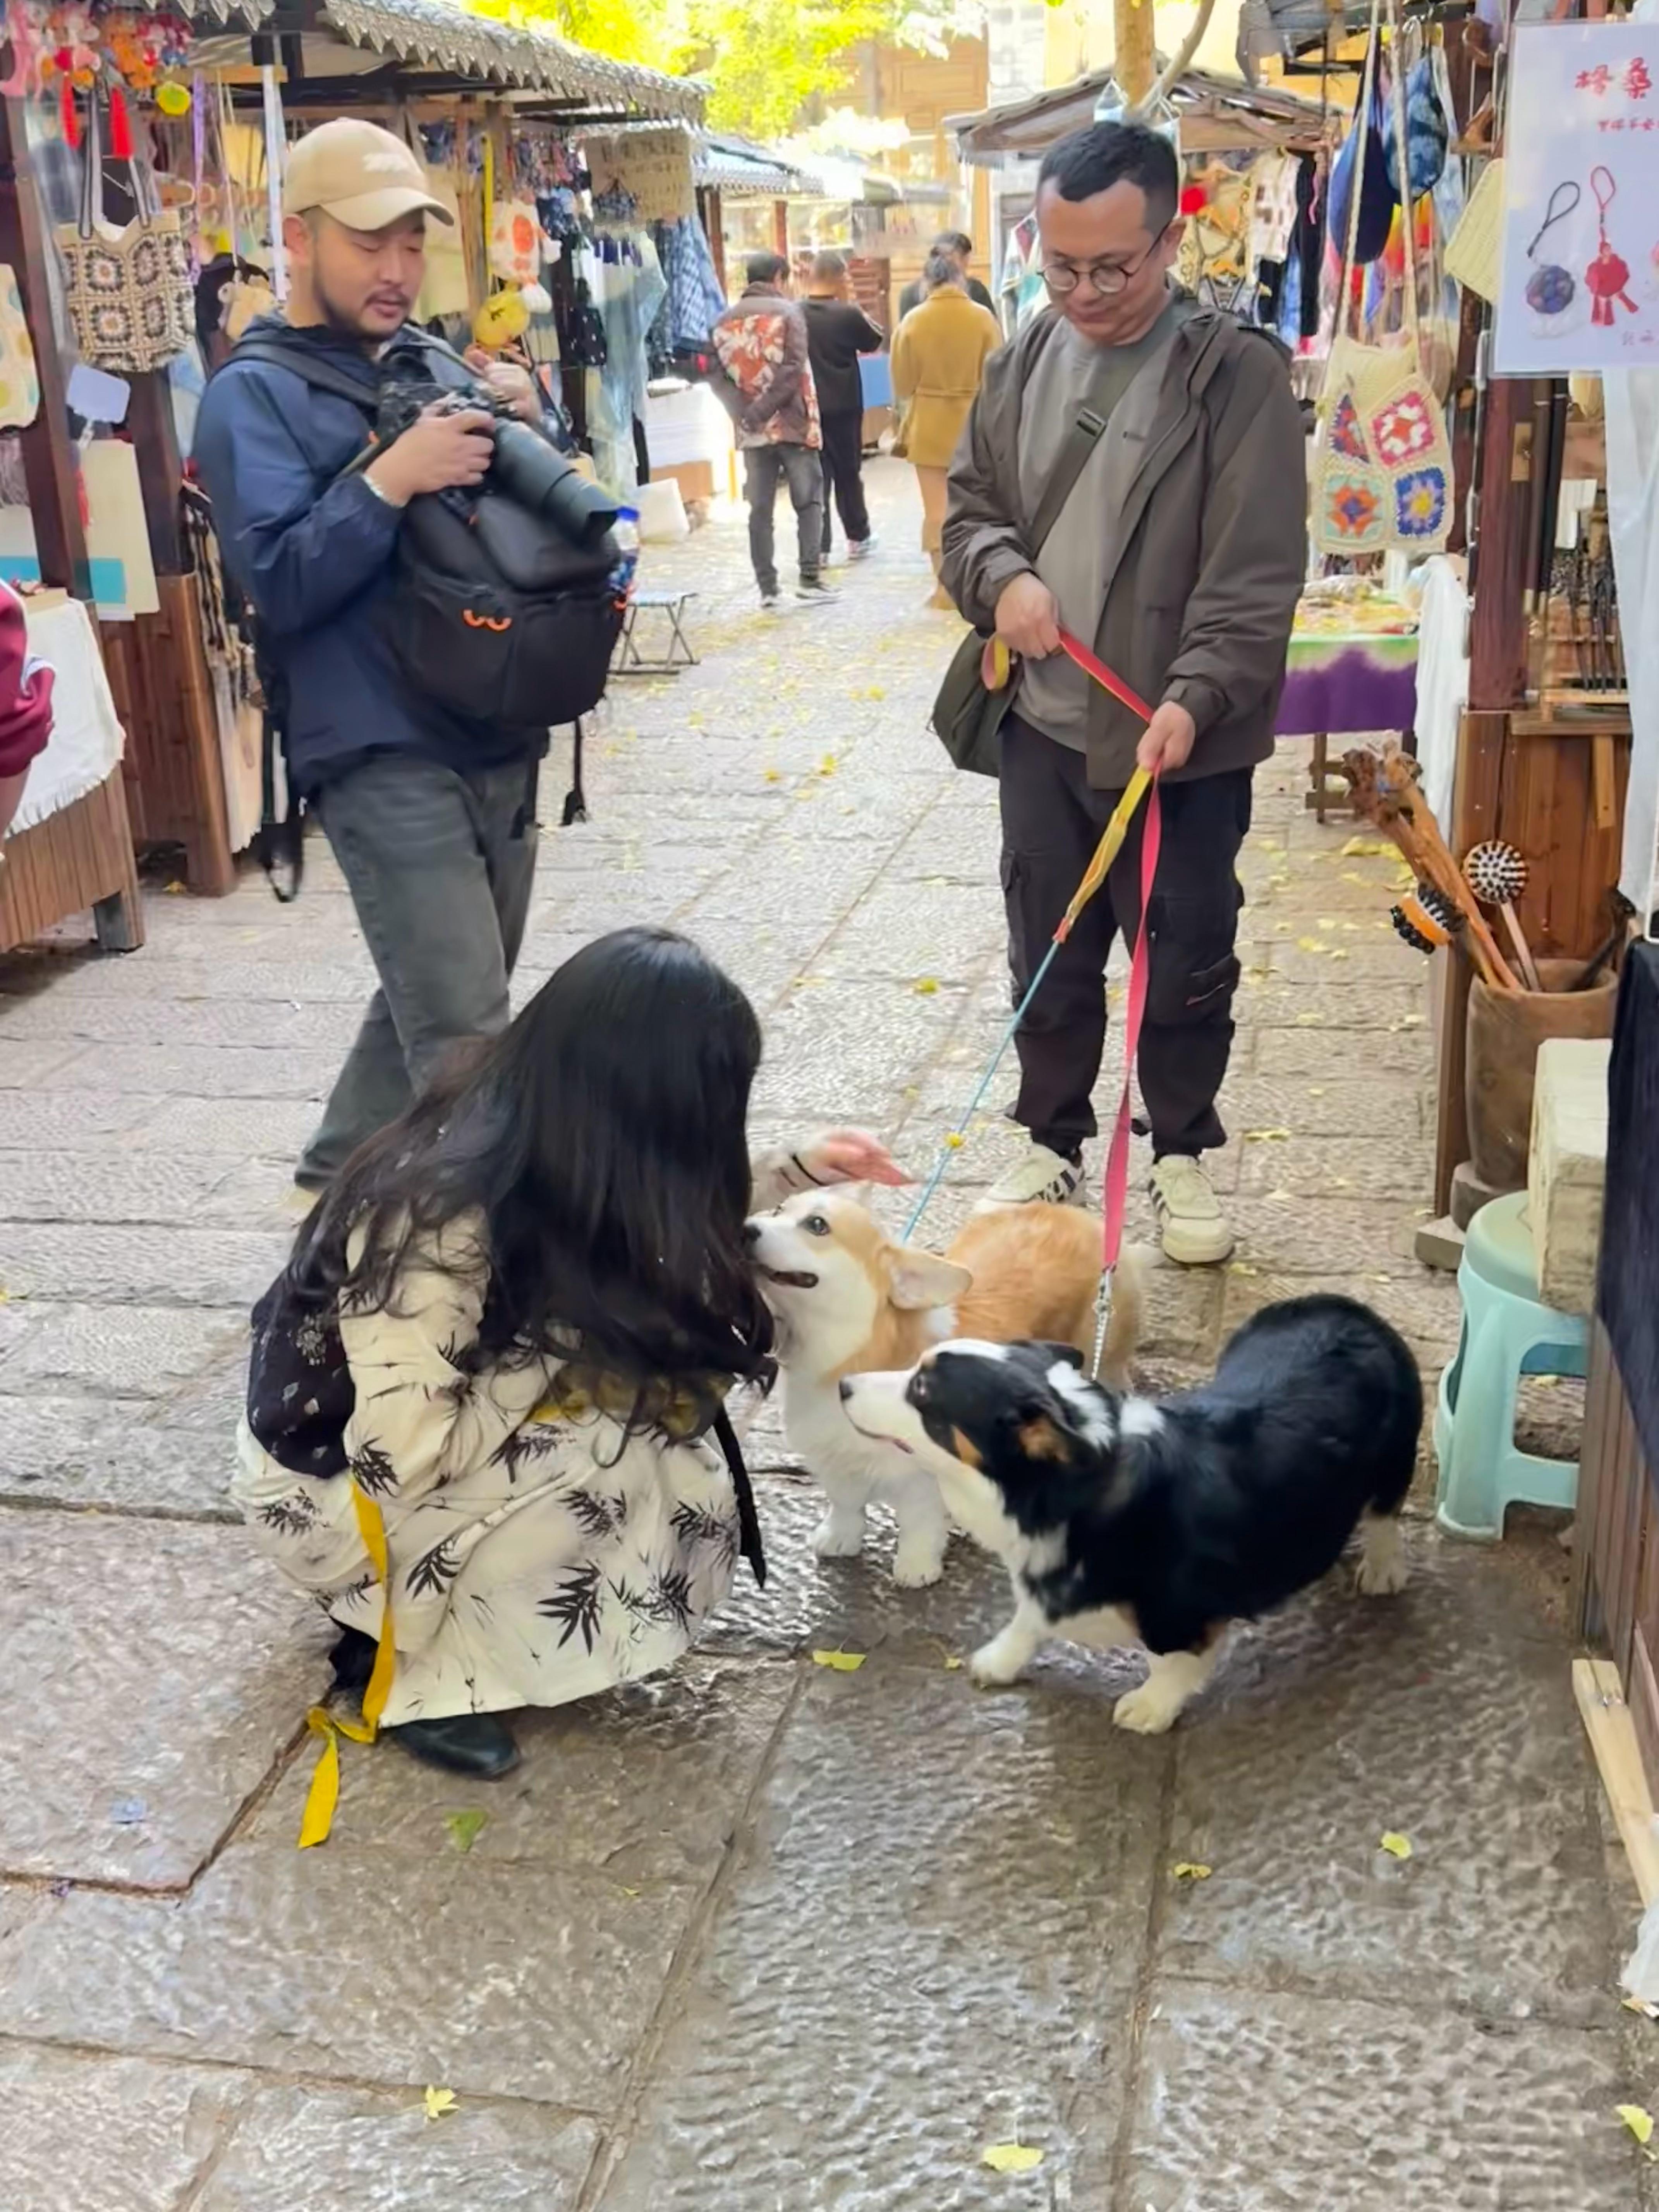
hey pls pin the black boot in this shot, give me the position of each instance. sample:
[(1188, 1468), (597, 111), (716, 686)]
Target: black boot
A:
[(353, 1659), (476, 1744)]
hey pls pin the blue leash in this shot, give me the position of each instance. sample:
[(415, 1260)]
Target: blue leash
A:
[(954, 1137)]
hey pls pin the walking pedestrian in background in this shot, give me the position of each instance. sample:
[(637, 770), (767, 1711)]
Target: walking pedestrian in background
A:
[(956, 246), (837, 333), (766, 382), (938, 358)]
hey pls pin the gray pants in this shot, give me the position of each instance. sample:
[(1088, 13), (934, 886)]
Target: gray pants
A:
[(439, 867), (802, 470)]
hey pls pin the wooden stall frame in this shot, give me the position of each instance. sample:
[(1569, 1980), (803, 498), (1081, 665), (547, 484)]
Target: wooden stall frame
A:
[(81, 857)]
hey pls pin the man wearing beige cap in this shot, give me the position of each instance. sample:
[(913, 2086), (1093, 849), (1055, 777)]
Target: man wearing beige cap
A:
[(431, 816)]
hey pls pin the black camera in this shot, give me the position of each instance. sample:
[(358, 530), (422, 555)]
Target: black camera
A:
[(526, 469)]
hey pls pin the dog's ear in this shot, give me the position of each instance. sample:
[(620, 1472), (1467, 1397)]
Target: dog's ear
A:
[(917, 1281), (1068, 1352)]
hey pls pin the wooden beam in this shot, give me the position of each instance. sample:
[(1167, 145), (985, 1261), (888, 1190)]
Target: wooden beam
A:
[(1612, 1731), (160, 472), (1498, 629), (49, 466)]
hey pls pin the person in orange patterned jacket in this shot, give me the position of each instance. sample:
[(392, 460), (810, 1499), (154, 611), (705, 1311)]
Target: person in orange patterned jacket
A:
[(765, 378), (25, 705)]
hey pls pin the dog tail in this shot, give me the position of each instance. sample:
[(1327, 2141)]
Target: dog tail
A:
[(1123, 1325)]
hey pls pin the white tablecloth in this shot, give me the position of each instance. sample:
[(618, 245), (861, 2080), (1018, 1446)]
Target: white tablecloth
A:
[(87, 739)]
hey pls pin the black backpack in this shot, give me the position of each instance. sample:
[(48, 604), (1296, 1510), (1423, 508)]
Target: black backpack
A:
[(496, 616)]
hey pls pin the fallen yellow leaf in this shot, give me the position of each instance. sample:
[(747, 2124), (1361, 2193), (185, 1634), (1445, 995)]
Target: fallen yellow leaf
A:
[(1638, 2120), (844, 1663), (438, 2102), (1267, 1136), (1315, 1090), (1640, 2004), (954, 1140), (773, 776), (1242, 1267), (877, 691), (1191, 1870), (1311, 945), (1017, 2158), (827, 765), (1368, 848), (1396, 1845), (464, 1828), (924, 987), (1307, 1020)]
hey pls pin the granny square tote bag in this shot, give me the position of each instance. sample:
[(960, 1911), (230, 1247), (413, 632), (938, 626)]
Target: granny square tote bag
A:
[(131, 299)]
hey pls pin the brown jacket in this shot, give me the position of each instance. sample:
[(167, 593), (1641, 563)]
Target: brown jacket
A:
[(939, 355), (1208, 473)]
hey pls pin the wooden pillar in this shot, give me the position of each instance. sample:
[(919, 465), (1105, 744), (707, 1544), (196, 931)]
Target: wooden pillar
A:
[(48, 461), (780, 228), (713, 211)]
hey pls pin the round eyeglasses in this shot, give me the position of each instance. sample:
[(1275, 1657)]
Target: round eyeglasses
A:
[(1106, 277)]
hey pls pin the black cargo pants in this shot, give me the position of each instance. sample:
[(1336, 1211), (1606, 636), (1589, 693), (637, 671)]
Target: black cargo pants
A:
[(1051, 823)]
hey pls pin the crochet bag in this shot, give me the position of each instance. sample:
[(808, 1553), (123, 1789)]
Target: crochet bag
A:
[(1382, 471), (128, 291), (20, 386)]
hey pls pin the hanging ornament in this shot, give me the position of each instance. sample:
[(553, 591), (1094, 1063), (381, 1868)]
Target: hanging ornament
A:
[(503, 318), (173, 98), (537, 298), (120, 126), (1550, 288), (68, 112), (1608, 275)]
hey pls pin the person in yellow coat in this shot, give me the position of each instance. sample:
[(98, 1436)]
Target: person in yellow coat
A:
[(939, 354)]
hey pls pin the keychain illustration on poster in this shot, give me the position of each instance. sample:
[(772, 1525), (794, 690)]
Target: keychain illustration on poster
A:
[(1579, 287)]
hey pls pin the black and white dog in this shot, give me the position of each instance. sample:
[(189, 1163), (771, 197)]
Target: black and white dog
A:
[(1126, 1520)]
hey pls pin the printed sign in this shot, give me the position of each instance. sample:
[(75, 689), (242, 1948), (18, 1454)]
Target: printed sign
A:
[(1580, 279), (653, 168)]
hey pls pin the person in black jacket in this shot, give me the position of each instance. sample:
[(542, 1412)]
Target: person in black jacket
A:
[(956, 246), (837, 333), (431, 816)]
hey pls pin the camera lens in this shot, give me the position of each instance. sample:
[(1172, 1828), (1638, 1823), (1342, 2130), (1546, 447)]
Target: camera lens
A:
[(533, 475)]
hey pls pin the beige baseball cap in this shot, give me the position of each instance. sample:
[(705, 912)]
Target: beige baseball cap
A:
[(359, 175)]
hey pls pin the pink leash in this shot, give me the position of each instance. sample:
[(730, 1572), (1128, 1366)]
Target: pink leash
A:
[(1114, 1192)]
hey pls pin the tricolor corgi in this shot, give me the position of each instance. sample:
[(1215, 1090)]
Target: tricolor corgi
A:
[(848, 1299)]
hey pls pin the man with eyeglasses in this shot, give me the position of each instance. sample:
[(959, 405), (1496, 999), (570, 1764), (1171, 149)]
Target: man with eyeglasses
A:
[(1132, 471)]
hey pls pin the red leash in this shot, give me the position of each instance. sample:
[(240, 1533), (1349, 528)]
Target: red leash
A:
[(1114, 1192)]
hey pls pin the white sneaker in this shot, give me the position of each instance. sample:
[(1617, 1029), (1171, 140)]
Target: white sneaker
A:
[(1039, 1178), (1193, 1228)]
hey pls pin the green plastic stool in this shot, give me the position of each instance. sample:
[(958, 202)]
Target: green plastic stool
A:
[(1507, 1332)]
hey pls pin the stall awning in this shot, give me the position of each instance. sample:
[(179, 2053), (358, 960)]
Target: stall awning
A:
[(740, 167), (1219, 115), (1281, 29), (427, 37)]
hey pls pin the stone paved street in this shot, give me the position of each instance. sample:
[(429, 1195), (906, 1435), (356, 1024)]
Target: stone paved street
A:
[(764, 1936)]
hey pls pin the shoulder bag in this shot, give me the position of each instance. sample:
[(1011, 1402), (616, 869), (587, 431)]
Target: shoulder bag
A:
[(967, 715)]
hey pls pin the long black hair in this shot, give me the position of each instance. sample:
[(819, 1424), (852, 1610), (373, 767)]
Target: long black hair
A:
[(601, 1140)]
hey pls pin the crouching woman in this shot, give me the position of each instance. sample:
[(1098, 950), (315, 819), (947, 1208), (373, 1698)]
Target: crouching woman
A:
[(508, 1328)]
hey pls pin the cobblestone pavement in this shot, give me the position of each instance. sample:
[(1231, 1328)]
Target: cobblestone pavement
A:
[(762, 1936)]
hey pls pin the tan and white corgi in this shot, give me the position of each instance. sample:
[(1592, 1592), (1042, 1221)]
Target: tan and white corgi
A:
[(849, 1300)]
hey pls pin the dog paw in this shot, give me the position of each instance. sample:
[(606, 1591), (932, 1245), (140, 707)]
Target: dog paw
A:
[(915, 1566), (1149, 1711), (1382, 1577), (1383, 1569), (995, 1667), (838, 1540)]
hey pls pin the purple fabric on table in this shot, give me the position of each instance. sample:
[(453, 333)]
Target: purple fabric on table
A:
[(1351, 691)]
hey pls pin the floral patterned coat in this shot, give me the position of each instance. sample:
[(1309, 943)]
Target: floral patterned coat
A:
[(537, 1553)]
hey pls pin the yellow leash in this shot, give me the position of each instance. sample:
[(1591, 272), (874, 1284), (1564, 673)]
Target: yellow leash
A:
[(324, 1795)]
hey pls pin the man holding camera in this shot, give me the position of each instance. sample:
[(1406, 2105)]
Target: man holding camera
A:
[(431, 815)]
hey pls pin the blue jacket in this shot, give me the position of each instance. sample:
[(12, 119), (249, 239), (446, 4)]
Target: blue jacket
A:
[(314, 552)]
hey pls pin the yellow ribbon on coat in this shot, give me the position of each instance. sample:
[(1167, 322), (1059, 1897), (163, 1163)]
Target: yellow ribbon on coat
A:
[(324, 1795)]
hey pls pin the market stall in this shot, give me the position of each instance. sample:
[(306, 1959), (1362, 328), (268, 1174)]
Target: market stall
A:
[(70, 847), (175, 125)]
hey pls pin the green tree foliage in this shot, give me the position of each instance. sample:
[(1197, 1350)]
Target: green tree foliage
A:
[(766, 61)]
